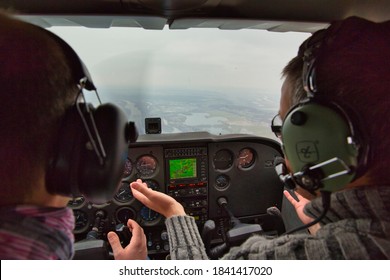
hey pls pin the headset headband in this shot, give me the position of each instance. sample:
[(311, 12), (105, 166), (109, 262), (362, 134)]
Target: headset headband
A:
[(309, 51)]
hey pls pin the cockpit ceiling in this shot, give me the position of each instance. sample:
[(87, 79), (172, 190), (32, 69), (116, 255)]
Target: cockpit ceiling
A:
[(158, 23), (272, 15), (233, 24), (146, 22)]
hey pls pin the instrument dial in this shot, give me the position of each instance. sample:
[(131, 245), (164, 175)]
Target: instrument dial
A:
[(146, 165), (223, 159), (128, 168), (148, 214), (151, 184), (246, 158), (222, 182), (125, 213), (76, 202), (124, 193)]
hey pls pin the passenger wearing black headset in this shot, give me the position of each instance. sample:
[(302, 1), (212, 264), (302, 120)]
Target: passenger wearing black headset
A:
[(337, 149), (53, 146)]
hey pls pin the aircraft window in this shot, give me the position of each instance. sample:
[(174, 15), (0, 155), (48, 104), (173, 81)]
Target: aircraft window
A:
[(219, 81)]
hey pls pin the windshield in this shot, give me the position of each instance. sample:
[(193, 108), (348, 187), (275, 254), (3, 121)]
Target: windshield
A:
[(210, 80)]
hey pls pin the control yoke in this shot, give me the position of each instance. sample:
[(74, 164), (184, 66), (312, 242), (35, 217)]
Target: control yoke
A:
[(236, 235)]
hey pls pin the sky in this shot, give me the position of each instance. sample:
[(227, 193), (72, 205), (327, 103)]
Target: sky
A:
[(212, 59)]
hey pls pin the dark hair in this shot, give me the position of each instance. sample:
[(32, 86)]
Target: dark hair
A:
[(36, 88)]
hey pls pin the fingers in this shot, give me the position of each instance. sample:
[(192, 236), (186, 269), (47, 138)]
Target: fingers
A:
[(157, 201), (145, 195), (141, 187), (137, 248), (140, 193), (116, 246), (289, 197), (300, 197), (135, 229)]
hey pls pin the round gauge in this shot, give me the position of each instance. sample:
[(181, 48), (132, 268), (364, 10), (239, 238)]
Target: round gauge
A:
[(222, 182), (76, 202), (125, 213), (146, 166), (124, 193), (151, 184), (223, 159), (246, 158), (128, 168), (148, 215), (81, 220)]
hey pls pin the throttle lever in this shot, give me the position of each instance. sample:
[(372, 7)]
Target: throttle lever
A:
[(240, 231), (208, 229)]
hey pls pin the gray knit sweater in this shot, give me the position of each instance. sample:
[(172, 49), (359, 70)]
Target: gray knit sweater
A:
[(356, 227)]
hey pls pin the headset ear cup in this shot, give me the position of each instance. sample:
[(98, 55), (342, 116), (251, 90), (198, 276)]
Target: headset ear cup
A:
[(75, 168), (313, 134), (99, 182)]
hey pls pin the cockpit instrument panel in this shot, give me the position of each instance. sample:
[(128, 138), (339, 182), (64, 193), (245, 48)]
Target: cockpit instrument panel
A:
[(196, 169)]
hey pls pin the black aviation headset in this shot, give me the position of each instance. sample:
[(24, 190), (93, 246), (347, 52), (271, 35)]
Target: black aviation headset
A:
[(92, 144), (321, 141)]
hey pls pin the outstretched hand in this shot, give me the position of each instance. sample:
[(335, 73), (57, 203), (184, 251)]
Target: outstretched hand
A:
[(136, 250), (157, 201), (299, 205)]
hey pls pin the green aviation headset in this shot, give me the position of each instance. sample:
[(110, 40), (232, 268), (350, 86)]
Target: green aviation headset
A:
[(320, 141)]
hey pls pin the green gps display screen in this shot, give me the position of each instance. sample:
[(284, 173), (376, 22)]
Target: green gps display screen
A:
[(182, 168)]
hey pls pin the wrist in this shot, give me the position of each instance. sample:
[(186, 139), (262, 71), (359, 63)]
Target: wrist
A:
[(313, 229), (175, 210)]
